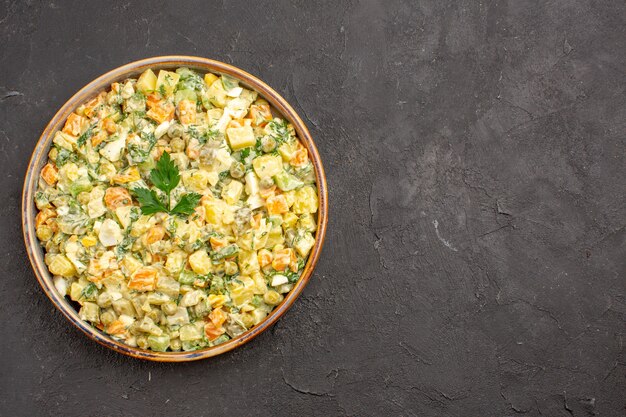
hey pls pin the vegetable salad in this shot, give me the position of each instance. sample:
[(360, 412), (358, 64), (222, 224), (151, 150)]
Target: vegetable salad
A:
[(176, 209)]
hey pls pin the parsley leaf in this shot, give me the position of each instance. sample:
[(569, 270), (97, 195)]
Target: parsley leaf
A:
[(165, 177), (187, 204), (149, 201)]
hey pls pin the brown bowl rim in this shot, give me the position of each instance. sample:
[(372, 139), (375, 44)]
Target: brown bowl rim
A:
[(39, 156)]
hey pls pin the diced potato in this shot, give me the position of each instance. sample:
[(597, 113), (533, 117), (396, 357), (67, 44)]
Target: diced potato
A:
[(289, 220), (200, 262), (240, 137), (304, 244), (190, 332), (288, 150), (166, 82), (214, 115), (147, 82), (60, 265), (89, 241), (123, 306), (142, 225), (240, 294), (252, 183), (65, 141), (213, 211), (181, 316), (159, 343), (217, 300), (90, 312), (192, 298), (237, 108), (76, 291), (130, 264), (209, 78), (306, 200), (290, 197), (217, 94), (176, 261), (267, 165), (232, 192), (195, 180), (248, 262)]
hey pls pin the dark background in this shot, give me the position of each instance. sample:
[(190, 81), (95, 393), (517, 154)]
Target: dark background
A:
[(475, 257)]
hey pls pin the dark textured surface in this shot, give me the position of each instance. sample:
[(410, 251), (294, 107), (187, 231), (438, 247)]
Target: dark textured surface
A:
[(475, 260)]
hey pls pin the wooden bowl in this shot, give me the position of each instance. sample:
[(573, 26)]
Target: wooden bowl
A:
[(39, 158)]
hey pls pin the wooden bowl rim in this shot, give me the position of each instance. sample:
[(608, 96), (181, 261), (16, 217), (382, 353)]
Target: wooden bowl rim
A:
[(39, 156)]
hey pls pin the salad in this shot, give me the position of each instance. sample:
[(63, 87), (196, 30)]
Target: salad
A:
[(176, 210)]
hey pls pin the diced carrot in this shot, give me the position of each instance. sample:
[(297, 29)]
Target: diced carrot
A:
[(237, 123), (157, 258), (187, 112), (143, 279), (115, 87), (282, 258), (131, 174), (301, 156), (217, 317), (268, 192), (293, 261), (116, 327), (109, 125), (115, 197), (98, 138), (212, 332), (158, 151), (260, 114), (153, 100), (50, 174), (160, 110), (74, 124), (218, 243), (265, 257), (44, 215), (92, 104), (200, 283), (277, 204), (154, 234), (193, 149), (256, 220)]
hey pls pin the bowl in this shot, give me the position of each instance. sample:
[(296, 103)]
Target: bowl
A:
[(39, 158)]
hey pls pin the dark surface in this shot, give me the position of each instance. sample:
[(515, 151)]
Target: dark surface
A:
[(475, 259)]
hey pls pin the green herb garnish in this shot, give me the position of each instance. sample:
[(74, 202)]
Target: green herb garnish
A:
[(86, 135), (89, 291), (165, 177)]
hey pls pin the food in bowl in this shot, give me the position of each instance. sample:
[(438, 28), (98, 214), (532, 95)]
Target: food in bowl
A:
[(176, 209)]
